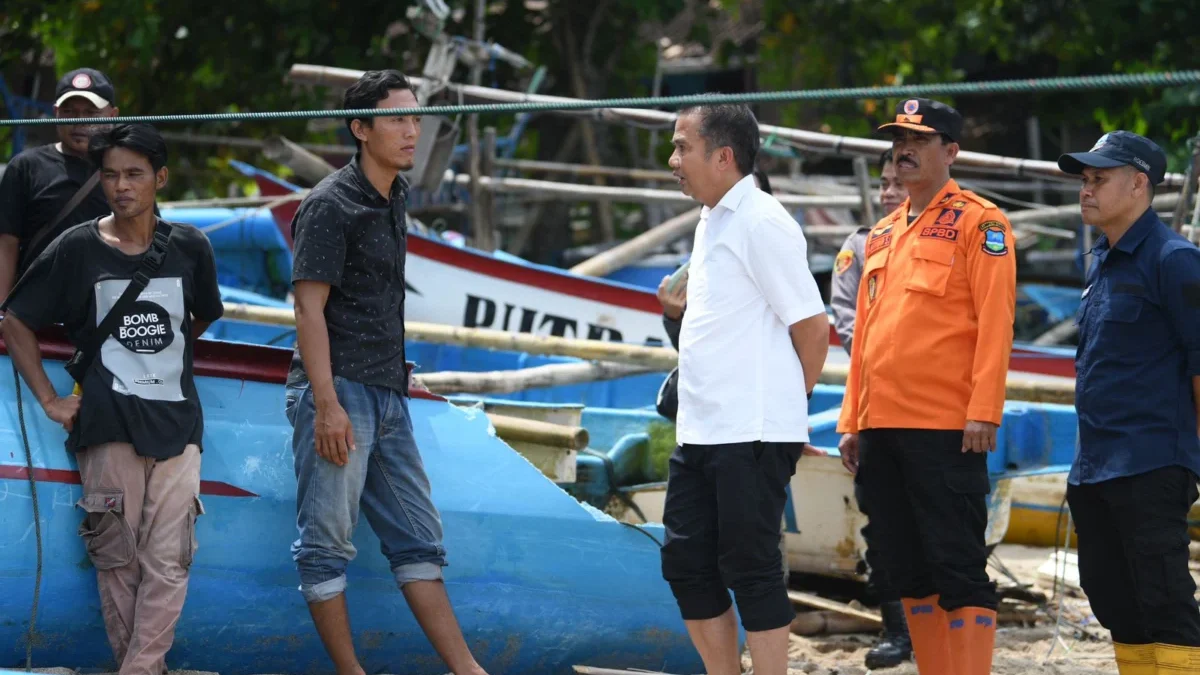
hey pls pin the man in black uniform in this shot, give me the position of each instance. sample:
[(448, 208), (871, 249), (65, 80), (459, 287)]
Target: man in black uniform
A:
[(47, 189), (1138, 378)]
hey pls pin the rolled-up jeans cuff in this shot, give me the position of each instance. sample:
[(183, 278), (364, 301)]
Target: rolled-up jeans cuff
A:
[(326, 590), (425, 571)]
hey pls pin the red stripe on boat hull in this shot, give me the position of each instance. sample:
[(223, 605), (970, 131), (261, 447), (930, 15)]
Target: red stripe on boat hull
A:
[(70, 477)]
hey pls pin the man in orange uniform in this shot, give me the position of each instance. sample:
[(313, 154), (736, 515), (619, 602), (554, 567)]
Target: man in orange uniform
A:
[(925, 394)]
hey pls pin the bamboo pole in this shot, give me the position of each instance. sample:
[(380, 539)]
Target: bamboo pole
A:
[(807, 140), (535, 431), (630, 194), (826, 622), (810, 600), (219, 202), (1017, 387), (1161, 203), (508, 381), (661, 359), (635, 249), (307, 165), (538, 166), (592, 670), (863, 174), (656, 359)]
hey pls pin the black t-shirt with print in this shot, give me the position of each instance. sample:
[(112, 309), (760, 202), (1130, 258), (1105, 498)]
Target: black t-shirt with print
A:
[(36, 185), (139, 389)]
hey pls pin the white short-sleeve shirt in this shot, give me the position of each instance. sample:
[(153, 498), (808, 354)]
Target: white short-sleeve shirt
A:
[(740, 379)]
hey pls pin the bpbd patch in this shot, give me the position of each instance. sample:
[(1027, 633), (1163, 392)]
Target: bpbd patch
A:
[(936, 232)]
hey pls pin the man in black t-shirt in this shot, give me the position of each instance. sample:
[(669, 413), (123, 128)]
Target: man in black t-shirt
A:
[(41, 181), (136, 427)]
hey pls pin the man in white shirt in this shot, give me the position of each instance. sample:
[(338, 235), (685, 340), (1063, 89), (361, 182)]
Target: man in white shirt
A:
[(753, 342)]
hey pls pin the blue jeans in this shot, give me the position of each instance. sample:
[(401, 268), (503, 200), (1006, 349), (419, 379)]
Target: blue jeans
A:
[(384, 474)]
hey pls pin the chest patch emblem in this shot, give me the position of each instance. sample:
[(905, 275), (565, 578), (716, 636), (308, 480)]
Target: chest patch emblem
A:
[(948, 217)]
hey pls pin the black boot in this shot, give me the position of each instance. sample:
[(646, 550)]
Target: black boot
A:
[(896, 646)]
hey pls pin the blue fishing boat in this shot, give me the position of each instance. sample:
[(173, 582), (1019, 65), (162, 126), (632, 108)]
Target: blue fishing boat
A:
[(539, 580)]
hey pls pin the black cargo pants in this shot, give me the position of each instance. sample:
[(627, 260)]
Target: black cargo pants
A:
[(877, 575), (1133, 555), (927, 503), (722, 513)]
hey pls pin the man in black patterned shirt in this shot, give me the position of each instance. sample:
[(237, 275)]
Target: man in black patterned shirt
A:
[(347, 394)]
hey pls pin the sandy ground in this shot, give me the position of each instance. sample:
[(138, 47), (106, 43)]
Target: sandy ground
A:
[(1020, 649)]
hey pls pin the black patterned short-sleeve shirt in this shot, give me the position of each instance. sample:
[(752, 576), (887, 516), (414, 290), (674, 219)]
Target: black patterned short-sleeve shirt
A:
[(349, 236)]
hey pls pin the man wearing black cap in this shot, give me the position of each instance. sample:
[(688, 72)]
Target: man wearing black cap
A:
[(49, 188), (1137, 391), (925, 393)]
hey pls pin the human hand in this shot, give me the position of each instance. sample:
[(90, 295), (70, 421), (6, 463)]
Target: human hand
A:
[(63, 410), (848, 447), (334, 433), (979, 436), (675, 300), (810, 450)]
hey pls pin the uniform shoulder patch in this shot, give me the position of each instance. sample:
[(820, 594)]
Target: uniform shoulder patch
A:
[(993, 237), (845, 258)]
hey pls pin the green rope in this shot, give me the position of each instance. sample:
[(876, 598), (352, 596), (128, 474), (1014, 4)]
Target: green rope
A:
[(1051, 84)]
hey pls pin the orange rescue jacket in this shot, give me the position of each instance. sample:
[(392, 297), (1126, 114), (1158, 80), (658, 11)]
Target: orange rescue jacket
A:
[(934, 327)]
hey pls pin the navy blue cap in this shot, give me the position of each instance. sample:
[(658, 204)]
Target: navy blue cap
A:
[(1119, 148)]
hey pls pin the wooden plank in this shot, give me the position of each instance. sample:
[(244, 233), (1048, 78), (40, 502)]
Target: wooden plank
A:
[(810, 600), (591, 670)]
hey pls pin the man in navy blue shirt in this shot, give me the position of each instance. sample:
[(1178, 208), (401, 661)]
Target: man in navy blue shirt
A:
[(1138, 378)]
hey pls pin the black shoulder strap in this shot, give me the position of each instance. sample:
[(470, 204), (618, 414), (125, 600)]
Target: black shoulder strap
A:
[(65, 211), (151, 262)]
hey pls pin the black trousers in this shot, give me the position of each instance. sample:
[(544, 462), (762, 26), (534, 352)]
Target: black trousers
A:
[(1133, 555), (722, 513), (927, 502), (877, 577)]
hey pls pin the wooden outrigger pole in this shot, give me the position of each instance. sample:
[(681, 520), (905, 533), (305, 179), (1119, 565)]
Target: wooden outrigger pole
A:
[(660, 359)]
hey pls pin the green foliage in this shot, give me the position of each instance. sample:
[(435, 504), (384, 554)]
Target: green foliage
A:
[(662, 444), (839, 43), (169, 57)]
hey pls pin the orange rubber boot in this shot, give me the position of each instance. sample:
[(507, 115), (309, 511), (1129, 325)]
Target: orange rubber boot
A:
[(928, 628), (972, 633)]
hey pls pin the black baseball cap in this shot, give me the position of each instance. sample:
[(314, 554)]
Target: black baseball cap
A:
[(927, 116), (1119, 148), (88, 83)]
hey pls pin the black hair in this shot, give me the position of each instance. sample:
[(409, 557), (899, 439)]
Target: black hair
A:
[(368, 91), (143, 139), (885, 158), (732, 125), (763, 183)]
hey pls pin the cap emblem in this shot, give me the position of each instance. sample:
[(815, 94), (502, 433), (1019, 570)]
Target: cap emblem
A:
[(911, 106), (81, 81), (1100, 143)]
